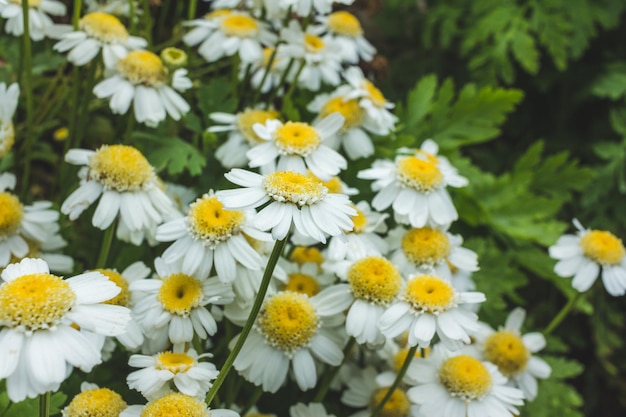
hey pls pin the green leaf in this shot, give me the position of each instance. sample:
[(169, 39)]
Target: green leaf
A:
[(30, 406), (216, 96), (171, 153), (611, 84)]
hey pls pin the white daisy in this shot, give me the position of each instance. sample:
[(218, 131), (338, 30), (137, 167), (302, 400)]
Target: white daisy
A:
[(141, 78), (587, 253), (8, 103), (38, 11), (293, 198), (183, 404), (116, 7), (267, 70), (345, 30), (38, 312), (298, 146), (94, 401), (48, 250), (459, 385), (305, 7), (129, 188), (310, 410), (429, 305), (306, 278)]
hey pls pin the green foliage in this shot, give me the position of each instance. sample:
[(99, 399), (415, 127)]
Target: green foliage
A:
[(30, 406), (170, 153)]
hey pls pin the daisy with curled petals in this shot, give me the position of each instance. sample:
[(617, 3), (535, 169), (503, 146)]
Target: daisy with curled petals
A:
[(182, 369), (8, 103), (427, 305), (512, 353), (461, 386), (293, 198), (38, 11), (141, 78), (298, 147), (290, 331), (310, 410), (212, 236), (39, 313), (95, 401), (588, 254), (346, 31), (175, 306), (176, 404)]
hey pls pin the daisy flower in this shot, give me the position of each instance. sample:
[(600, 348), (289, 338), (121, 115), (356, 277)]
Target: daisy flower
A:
[(38, 315), (428, 305), (346, 31), (177, 403), (298, 146), (305, 7), (142, 78), (95, 401), (310, 410), (302, 255), (588, 253), (305, 278), (512, 353), (415, 186), (293, 198), (128, 187), (290, 331), (8, 103), (97, 32), (38, 11), (116, 7), (175, 306), (267, 70), (460, 385), (48, 250), (183, 369)]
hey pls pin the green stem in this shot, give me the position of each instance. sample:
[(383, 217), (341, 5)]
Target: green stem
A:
[(279, 246), (132, 16), (78, 5), (562, 314), (329, 376), (106, 246), (147, 21), (409, 357), (274, 91), (192, 9), (268, 68), (27, 85), (44, 405)]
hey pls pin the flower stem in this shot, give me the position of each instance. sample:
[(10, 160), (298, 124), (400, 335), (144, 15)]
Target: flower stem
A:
[(27, 85), (44, 405), (279, 246), (106, 246), (329, 376), (409, 357), (192, 9), (147, 21), (78, 5), (562, 314)]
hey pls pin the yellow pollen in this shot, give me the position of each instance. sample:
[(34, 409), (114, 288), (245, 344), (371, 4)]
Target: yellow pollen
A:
[(211, 222), (123, 298), (174, 362), (248, 118), (288, 321), (312, 43), (425, 246), (175, 404), (97, 402), (293, 187), (374, 279), (377, 97), (61, 134), (240, 26), (465, 376), (35, 301), (143, 67), (429, 294), (216, 14), (120, 168), (345, 24), (334, 184), (303, 284), (506, 350), (180, 293), (303, 254), (7, 138), (104, 27), (296, 138), (603, 247), (427, 156), (418, 173), (397, 405), (360, 221), (349, 109), (11, 213), (399, 358)]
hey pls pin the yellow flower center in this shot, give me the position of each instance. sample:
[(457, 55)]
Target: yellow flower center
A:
[(248, 118), (288, 321), (180, 293), (97, 402), (465, 377), (429, 294), (174, 362), (35, 301), (349, 109), (345, 24), (293, 187), (303, 284), (120, 168), (31, 3), (397, 405), (11, 213), (334, 184), (143, 67), (123, 298), (400, 357), (418, 173), (359, 220), (104, 27), (425, 246), (603, 247), (267, 56), (240, 26), (303, 254), (296, 138), (217, 14), (7, 138), (374, 279), (175, 404), (506, 350), (174, 57), (312, 43), (375, 95), (210, 221), (61, 134)]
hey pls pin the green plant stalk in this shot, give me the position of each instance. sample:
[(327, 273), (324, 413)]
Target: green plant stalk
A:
[(257, 93), (27, 85), (193, 4), (147, 21), (329, 376), (292, 87), (279, 246), (563, 313), (44, 405), (78, 6), (409, 357), (132, 16), (274, 91), (106, 246)]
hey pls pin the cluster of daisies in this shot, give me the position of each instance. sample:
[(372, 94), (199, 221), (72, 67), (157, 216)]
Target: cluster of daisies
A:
[(372, 299)]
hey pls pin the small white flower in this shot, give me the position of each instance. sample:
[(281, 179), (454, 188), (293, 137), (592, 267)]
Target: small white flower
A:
[(163, 406), (310, 410), (345, 30), (8, 103), (38, 11)]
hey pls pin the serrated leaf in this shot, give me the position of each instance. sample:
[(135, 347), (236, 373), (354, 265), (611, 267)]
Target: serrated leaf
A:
[(216, 96), (419, 100), (612, 84), (171, 153)]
